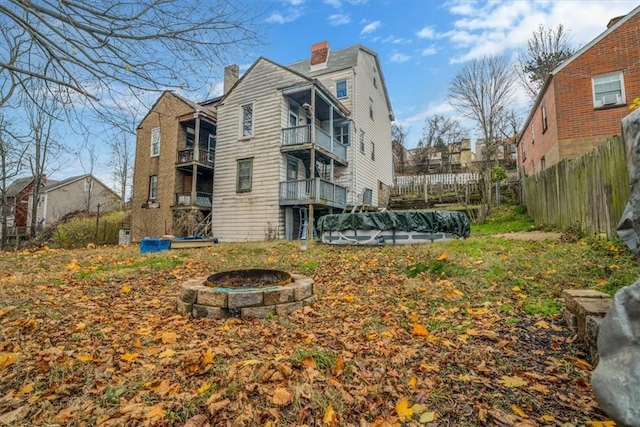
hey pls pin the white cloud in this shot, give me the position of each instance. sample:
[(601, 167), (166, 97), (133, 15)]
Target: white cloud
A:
[(295, 2), (358, 2), (334, 3), (371, 27), (485, 28), (339, 19), (395, 40), (426, 33), (399, 57), (428, 51), (279, 18)]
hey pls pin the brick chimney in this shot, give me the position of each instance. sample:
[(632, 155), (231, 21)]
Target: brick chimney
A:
[(319, 55), (231, 76), (614, 20)]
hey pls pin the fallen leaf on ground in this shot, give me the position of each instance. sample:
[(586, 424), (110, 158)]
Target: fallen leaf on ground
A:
[(282, 396), (403, 410), (511, 382)]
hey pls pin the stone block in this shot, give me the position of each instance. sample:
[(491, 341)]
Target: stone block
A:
[(278, 296), (593, 327), (570, 319), (589, 307), (571, 296), (289, 307), (244, 299), (183, 307), (302, 290), (208, 296), (308, 301), (206, 311), (262, 311)]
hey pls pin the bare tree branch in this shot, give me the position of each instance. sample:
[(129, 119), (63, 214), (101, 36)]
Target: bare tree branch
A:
[(145, 45), (483, 92), (546, 49)]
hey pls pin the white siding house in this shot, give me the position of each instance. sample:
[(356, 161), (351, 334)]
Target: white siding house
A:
[(300, 141)]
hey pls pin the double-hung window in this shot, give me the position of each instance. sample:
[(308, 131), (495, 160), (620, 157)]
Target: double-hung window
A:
[(544, 119), (371, 108), (155, 142), (341, 133), (153, 187), (341, 89), (244, 175), (246, 121), (373, 151), (608, 90)]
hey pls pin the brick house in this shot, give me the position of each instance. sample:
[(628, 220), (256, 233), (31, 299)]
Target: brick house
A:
[(282, 146), (585, 98), (173, 168), (17, 207)]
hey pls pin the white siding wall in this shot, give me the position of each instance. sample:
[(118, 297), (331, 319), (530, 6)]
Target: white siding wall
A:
[(377, 130), (363, 172), (247, 216)]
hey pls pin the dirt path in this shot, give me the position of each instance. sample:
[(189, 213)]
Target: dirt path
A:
[(534, 236)]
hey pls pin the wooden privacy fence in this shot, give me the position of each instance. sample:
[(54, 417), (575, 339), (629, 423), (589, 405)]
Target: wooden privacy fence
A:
[(590, 192)]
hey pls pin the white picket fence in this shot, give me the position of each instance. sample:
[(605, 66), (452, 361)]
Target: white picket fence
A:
[(443, 178), (461, 183)]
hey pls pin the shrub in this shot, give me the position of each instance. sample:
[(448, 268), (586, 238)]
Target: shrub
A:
[(79, 232)]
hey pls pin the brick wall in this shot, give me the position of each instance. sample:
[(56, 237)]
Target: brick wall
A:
[(575, 127), (154, 222), (618, 51)]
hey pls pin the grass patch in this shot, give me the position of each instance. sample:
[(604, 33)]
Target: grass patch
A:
[(323, 359), (505, 219), (544, 308)]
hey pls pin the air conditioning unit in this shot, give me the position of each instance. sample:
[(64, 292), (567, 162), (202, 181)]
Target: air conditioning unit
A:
[(609, 99)]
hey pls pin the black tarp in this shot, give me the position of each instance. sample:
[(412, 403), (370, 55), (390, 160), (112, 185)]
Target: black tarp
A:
[(422, 221)]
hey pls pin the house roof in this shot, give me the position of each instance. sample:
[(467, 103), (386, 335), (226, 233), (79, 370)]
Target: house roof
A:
[(54, 185), (620, 21), (17, 186), (195, 106), (339, 60)]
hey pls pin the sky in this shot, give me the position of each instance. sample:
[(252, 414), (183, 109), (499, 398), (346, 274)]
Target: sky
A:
[(421, 44)]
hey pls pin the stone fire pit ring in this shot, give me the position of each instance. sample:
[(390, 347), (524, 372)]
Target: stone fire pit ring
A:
[(202, 298)]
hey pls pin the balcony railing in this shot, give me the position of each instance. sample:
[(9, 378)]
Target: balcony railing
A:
[(302, 134), (203, 200), (315, 190), (204, 155)]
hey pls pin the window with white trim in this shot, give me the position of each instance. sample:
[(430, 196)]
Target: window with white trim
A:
[(608, 90), (544, 119), (153, 187), (155, 142), (244, 175), (87, 186), (371, 108), (341, 133), (341, 89), (246, 121), (373, 151)]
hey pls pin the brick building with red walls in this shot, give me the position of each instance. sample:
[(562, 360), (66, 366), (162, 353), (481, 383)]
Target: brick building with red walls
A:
[(585, 98)]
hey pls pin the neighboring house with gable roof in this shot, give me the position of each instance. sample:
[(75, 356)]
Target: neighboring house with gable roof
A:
[(81, 193), (291, 142), (17, 196), (585, 98)]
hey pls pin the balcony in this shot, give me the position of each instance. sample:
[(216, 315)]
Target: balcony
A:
[(200, 155), (202, 200), (312, 191), (299, 137)]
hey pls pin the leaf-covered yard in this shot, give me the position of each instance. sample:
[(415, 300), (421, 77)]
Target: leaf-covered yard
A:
[(456, 334)]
